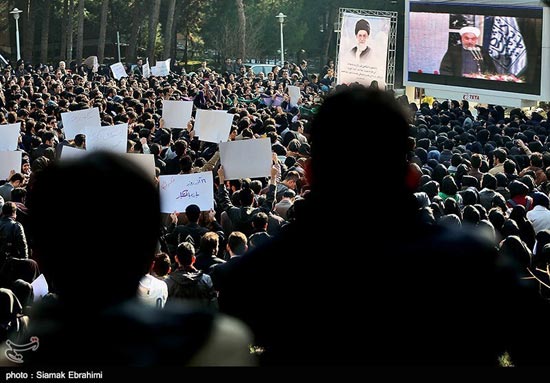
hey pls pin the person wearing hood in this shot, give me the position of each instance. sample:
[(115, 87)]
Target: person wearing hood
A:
[(189, 284)]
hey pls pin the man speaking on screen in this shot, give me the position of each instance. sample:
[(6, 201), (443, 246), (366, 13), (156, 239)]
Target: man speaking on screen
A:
[(467, 59)]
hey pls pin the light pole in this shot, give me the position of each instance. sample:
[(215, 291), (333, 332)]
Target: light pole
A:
[(15, 12), (281, 18)]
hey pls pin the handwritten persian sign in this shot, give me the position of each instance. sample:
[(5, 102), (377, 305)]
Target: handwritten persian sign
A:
[(179, 191)]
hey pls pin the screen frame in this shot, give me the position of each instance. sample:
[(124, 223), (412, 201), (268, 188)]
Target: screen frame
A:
[(508, 90)]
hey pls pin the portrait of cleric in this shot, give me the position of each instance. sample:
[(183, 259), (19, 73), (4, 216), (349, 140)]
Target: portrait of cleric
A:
[(468, 57), (361, 51)]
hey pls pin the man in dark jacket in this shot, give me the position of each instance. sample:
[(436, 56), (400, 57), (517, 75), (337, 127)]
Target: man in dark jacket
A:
[(13, 242), (188, 283), (443, 287), (240, 217)]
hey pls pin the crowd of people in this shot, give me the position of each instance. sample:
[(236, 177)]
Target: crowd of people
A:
[(439, 257)]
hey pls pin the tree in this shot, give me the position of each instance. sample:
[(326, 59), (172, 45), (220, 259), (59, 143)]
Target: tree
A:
[(168, 30), (45, 31), (242, 28), (64, 28), (80, 32), (153, 24), (29, 32), (102, 31), (70, 27), (134, 32)]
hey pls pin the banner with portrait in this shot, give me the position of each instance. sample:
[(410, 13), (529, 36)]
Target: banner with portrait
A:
[(363, 50)]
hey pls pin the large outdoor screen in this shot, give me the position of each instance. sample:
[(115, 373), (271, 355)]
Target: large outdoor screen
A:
[(481, 46)]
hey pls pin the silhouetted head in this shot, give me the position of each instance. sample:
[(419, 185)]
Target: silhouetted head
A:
[(353, 110), (97, 223)]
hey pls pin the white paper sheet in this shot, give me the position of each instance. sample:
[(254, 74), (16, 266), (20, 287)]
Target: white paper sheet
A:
[(179, 191), (246, 158), (176, 114), (113, 138), (213, 125)]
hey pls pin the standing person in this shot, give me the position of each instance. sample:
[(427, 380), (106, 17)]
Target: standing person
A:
[(341, 306), (361, 51), (467, 58), (96, 320), (13, 242)]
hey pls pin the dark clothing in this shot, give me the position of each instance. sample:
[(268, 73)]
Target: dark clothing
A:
[(363, 56), (452, 63), (130, 334), (13, 242), (192, 233), (39, 151), (192, 286), (206, 262), (258, 239), (241, 217), (350, 318)]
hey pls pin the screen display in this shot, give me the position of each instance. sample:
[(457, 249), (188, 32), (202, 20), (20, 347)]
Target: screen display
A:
[(476, 46)]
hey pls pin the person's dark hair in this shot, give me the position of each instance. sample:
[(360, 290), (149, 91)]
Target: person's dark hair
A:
[(79, 139), (489, 181), (237, 242), (185, 253), (161, 265), (9, 209), (514, 253), (510, 228), (134, 200), (469, 181), (469, 197), (431, 188), (500, 155), (499, 201), (476, 160), (439, 173), (536, 160), (180, 146), (518, 214), (256, 186), (517, 188), (186, 164), (470, 215), (209, 243), (456, 159), (448, 186), (451, 207), (17, 177), (193, 213), (497, 218), (246, 196), (334, 112), (18, 194), (259, 221)]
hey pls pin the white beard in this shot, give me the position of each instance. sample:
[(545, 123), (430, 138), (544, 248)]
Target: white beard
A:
[(361, 47)]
